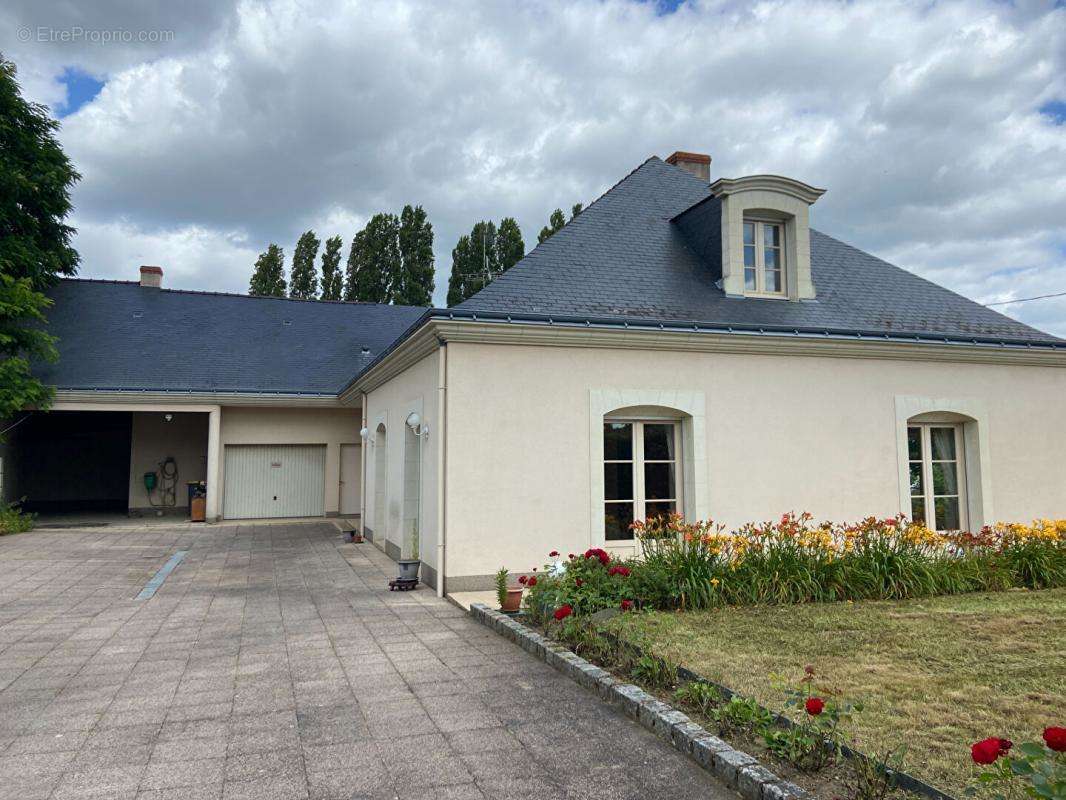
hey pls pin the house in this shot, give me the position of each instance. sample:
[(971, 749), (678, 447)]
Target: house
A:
[(682, 345)]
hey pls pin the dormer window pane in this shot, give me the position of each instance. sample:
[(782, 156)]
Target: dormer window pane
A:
[(750, 268), (764, 265)]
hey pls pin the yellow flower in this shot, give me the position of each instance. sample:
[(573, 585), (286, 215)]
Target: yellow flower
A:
[(714, 581)]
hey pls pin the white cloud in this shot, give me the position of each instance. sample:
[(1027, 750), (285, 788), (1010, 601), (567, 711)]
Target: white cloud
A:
[(261, 118)]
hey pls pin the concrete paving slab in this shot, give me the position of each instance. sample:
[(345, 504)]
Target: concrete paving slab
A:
[(272, 662)]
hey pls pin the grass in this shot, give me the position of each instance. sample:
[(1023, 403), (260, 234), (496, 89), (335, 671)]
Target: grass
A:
[(935, 674)]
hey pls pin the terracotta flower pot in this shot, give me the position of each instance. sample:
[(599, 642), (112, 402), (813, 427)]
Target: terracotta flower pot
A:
[(514, 599)]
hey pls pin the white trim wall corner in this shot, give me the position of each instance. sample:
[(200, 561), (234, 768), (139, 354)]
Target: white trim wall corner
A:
[(686, 406), (972, 414)]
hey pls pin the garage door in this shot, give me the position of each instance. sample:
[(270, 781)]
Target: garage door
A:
[(267, 480)]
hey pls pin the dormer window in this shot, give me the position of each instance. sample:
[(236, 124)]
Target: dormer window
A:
[(764, 257)]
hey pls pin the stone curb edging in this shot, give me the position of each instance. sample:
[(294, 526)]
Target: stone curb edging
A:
[(738, 770)]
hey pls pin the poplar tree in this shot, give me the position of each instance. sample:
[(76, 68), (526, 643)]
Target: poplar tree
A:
[(374, 261), (509, 245), (415, 240), (303, 281), (268, 277), (475, 262), (332, 288), (555, 224)]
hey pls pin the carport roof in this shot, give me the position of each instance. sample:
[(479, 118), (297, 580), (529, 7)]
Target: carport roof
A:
[(121, 336)]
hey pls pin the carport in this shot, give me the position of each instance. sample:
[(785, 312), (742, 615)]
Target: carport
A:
[(87, 462)]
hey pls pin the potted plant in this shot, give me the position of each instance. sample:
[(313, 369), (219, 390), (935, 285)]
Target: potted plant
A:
[(509, 597), (409, 566)]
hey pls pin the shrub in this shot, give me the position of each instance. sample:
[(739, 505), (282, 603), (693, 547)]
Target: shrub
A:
[(13, 520), (501, 586), (1028, 770)]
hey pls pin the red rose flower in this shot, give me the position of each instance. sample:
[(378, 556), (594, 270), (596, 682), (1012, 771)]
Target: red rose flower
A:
[(562, 612), (578, 582), (627, 605), (532, 581), (986, 751), (522, 579), (1055, 738), (553, 554), (598, 553), (814, 706), (1004, 746)]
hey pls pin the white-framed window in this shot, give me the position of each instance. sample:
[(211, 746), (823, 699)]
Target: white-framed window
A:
[(764, 257), (640, 473), (937, 475)]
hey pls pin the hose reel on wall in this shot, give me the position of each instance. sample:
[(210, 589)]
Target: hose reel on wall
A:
[(167, 482)]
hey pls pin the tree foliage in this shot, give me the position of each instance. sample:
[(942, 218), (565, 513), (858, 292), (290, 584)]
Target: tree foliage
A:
[(35, 182), (374, 261), (556, 222), (332, 279), (268, 278), (415, 240), (303, 281), (509, 245), (482, 256)]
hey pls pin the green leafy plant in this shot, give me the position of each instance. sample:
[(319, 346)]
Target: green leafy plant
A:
[(1030, 770), (702, 697), (741, 714), (501, 586), (654, 671), (13, 520), (816, 740)]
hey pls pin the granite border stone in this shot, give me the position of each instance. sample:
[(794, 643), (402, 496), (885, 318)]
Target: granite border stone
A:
[(736, 769)]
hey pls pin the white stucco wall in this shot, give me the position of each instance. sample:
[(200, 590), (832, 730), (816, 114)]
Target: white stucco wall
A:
[(153, 439), (413, 390), (781, 433), (329, 426)]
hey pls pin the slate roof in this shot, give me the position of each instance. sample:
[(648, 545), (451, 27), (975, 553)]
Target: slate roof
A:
[(627, 257), (118, 335)]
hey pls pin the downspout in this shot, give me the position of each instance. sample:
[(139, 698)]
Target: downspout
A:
[(442, 446), (362, 467)]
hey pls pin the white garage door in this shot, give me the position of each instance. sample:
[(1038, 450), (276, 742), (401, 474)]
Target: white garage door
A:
[(269, 480)]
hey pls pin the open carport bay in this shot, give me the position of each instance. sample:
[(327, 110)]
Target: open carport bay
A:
[(64, 464)]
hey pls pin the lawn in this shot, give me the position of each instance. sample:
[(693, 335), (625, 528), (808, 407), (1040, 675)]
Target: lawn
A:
[(936, 674)]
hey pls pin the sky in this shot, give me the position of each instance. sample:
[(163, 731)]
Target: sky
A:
[(204, 130)]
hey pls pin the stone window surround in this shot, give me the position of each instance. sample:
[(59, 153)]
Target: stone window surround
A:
[(686, 406), (972, 415), (767, 197)]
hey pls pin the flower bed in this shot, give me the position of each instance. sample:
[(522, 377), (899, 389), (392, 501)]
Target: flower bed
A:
[(794, 560)]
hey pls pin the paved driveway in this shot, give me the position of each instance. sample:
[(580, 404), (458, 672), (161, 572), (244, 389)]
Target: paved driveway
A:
[(273, 664)]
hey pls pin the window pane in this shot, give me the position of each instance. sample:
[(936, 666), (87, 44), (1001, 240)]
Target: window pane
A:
[(617, 441), (918, 510), (770, 259), (653, 510), (618, 517), (773, 281), (659, 482), (917, 487), (658, 442), (945, 478), (914, 444), (617, 481), (749, 233), (947, 513), (771, 235), (749, 255), (943, 443), (749, 280)]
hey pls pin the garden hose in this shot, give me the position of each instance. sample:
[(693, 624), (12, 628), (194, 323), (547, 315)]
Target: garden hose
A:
[(168, 484)]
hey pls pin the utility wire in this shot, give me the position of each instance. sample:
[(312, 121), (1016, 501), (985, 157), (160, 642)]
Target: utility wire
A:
[(1026, 299)]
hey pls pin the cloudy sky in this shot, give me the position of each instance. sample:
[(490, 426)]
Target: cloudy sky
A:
[(205, 130)]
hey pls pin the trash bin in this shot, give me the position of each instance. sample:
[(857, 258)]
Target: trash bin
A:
[(197, 500)]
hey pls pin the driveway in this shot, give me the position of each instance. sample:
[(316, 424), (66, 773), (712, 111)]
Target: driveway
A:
[(273, 663)]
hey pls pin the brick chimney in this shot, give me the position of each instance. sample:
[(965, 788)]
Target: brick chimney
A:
[(698, 164), (152, 277)]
